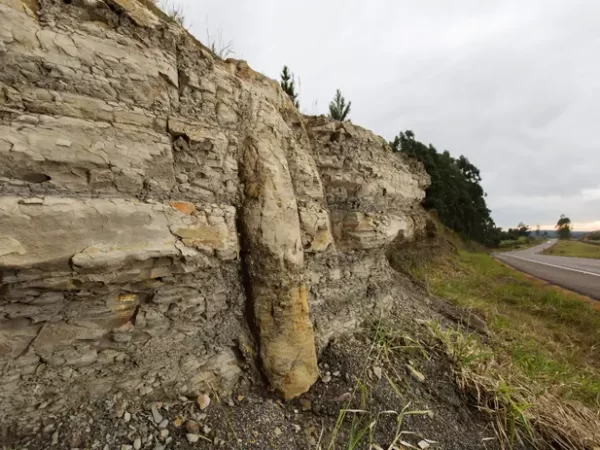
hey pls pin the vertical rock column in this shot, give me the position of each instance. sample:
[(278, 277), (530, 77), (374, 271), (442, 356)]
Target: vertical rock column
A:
[(274, 260)]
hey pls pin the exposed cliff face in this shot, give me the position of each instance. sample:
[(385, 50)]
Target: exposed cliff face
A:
[(152, 195)]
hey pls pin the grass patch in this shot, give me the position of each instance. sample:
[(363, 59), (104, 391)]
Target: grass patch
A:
[(522, 243), (574, 248), (538, 370)]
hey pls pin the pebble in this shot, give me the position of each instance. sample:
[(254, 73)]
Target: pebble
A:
[(326, 378), (163, 424), (178, 422), (192, 438), (278, 431), (423, 445), (230, 402), (203, 401), (206, 429), (296, 428), (126, 447), (164, 433), (126, 417), (378, 372), (346, 396), (137, 443), (336, 373), (156, 415), (55, 438), (192, 427)]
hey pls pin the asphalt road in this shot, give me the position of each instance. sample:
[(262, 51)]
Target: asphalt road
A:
[(577, 274)]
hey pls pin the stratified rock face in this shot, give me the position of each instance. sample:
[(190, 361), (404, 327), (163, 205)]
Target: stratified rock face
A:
[(150, 192)]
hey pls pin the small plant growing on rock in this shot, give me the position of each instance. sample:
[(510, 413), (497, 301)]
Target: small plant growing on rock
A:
[(338, 109), (288, 85)]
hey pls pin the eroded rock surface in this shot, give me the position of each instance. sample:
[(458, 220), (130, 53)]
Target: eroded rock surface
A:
[(151, 195)]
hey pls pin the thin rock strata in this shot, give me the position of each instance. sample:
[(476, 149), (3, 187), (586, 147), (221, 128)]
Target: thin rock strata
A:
[(150, 191)]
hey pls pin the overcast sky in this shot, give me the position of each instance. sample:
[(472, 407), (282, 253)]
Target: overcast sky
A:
[(514, 85)]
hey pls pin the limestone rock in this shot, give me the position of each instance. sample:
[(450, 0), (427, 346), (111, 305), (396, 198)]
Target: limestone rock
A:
[(150, 190)]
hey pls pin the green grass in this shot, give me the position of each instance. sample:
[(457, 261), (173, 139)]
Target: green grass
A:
[(537, 371), (521, 243), (551, 334), (574, 248)]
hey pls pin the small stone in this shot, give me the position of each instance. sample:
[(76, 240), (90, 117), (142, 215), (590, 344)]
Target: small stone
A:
[(201, 417), (230, 402), (346, 396), (159, 447), (296, 428), (203, 401), (163, 424), (218, 442), (206, 429), (336, 373), (183, 399), (192, 427), (126, 417), (192, 438), (137, 443), (55, 438), (240, 398), (156, 415), (278, 431), (326, 378), (378, 372), (164, 433), (418, 376), (424, 445), (126, 447), (106, 447), (178, 422)]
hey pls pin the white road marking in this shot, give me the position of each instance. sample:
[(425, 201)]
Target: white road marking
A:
[(553, 265)]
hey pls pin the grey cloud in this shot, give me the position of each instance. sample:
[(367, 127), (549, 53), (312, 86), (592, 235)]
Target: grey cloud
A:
[(512, 85)]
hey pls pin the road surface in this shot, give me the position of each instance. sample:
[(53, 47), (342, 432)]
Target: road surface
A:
[(577, 274)]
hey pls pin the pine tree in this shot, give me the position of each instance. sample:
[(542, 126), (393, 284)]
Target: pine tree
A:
[(338, 110), (287, 84)]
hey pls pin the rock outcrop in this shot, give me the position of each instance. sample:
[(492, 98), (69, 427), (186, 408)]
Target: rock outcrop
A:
[(163, 212)]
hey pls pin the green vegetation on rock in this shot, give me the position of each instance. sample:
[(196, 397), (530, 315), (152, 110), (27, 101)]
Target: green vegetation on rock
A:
[(288, 85), (338, 108)]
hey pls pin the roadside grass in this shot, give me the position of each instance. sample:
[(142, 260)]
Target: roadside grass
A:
[(522, 243), (574, 248), (537, 369)]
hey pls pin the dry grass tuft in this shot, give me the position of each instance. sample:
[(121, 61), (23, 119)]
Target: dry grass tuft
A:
[(537, 371)]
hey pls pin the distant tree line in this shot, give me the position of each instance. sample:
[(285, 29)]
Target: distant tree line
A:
[(513, 234), (455, 192)]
